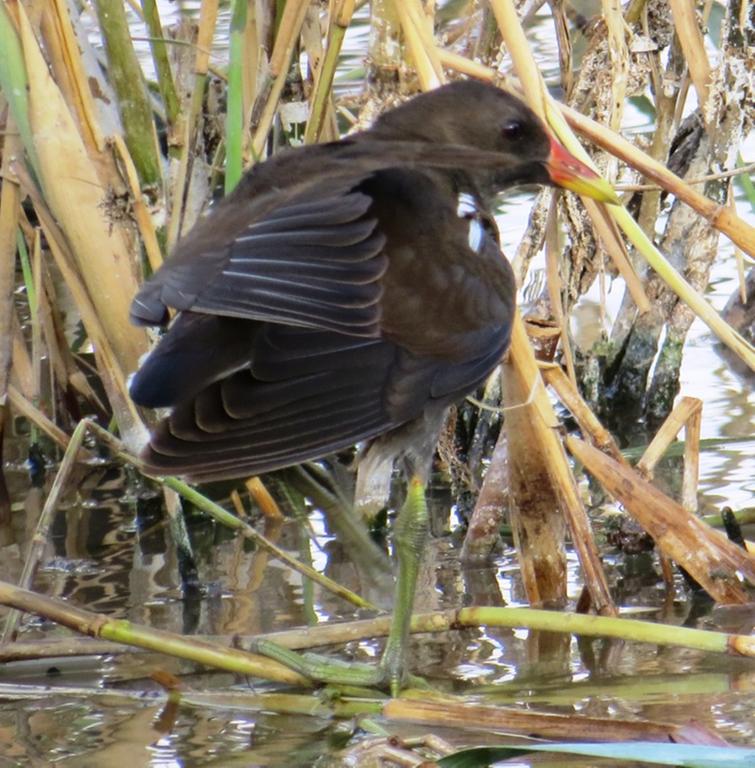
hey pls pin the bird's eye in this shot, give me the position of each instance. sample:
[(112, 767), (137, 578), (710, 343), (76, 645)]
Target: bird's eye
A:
[(512, 130)]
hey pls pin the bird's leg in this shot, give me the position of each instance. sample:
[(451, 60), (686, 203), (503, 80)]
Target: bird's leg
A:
[(410, 537)]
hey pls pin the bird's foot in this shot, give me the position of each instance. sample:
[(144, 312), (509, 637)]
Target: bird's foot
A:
[(410, 536), (389, 673), (321, 669), (393, 669)]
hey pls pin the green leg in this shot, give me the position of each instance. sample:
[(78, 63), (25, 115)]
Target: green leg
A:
[(410, 537)]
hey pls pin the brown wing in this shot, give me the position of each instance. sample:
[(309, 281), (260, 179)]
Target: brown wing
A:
[(307, 394), (314, 260)]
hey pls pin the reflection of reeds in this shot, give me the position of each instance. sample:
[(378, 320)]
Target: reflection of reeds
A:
[(81, 145)]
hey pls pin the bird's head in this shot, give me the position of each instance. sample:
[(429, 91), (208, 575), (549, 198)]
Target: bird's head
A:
[(473, 114)]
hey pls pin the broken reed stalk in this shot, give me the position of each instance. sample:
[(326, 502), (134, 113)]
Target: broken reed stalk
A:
[(537, 522), (588, 423), (129, 633), (718, 565), (540, 479), (99, 626), (687, 29), (67, 56), (687, 415)]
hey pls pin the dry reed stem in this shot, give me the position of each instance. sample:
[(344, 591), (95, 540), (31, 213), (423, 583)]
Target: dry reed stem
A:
[(666, 435), (687, 415), (521, 54), (563, 38), (446, 712), (422, 21), (322, 94), (540, 453), (178, 187), (110, 369), (141, 211), (250, 74), (288, 34), (20, 373), (618, 53), (76, 196), (35, 300), (238, 505), (280, 61), (536, 521), (58, 367), (483, 533), (721, 217), (693, 48), (267, 504), (10, 210), (555, 286), (179, 646), (65, 58), (25, 408), (717, 564), (427, 76), (207, 19), (588, 423), (208, 14), (691, 476)]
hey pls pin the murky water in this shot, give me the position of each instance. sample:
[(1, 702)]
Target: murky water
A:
[(111, 551)]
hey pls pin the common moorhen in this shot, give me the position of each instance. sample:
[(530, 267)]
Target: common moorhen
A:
[(346, 292)]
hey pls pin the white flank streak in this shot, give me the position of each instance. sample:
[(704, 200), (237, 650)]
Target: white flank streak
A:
[(466, 205), (476, 233)]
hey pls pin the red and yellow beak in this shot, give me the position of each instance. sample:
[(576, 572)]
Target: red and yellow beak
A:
[(566, 171)]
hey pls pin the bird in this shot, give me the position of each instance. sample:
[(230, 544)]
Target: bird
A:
[(347, 292)]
